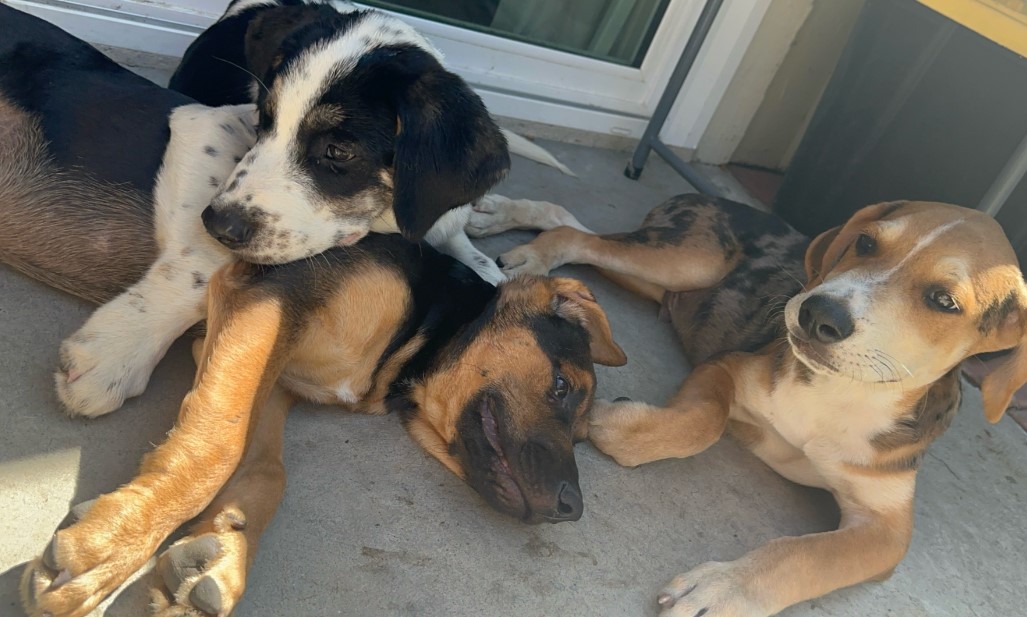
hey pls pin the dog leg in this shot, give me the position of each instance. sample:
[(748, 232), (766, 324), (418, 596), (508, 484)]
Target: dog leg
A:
[(693, 420), (460, 248), (205, 572), (785, 571), (246, 347), (494, 214), (111, 357)]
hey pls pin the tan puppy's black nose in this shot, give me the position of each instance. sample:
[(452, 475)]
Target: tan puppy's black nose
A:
[(825, 319), (228, 227)]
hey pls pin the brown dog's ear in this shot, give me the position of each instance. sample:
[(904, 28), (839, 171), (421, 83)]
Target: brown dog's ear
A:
[(999, 386), (573, 301)]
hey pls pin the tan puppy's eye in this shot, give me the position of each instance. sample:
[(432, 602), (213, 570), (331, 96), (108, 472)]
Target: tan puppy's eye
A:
[(942, 301), (865, 245)]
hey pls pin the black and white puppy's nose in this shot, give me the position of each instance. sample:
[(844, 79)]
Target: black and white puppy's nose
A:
[(825, 319), (228, 227)]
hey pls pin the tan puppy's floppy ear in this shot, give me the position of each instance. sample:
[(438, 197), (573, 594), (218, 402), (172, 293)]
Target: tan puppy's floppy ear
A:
[(815, 255), (999, 386), (572, 300)]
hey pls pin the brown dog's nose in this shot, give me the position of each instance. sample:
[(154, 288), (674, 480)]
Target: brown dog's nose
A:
[(568, 503), (228, 227), (825, 319)]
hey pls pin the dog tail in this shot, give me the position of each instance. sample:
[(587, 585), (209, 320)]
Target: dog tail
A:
[(533, 152)]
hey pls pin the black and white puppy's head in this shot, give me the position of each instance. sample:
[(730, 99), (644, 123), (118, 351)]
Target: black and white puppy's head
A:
[(358, 120)]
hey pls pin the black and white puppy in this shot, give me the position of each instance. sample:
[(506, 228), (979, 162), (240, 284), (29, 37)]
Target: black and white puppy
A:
[(71, 113), (361, 128)]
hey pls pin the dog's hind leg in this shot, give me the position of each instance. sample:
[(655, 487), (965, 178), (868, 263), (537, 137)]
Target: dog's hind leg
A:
[(692, 420), (683, 244), (206, 571)]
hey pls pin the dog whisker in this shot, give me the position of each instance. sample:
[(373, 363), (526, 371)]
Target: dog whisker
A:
[(244, 70)]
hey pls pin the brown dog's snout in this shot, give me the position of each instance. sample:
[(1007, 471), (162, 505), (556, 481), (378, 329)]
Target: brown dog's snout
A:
[(228, 226), (825, 319)]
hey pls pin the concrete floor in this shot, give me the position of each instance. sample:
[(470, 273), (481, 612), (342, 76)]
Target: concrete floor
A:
[(370, 525)]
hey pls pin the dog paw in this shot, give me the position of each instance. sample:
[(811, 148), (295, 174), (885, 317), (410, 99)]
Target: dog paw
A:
[(611, 428), (490, 216), (712, 589), (98, 546), (99, 369), (202, 575), (522, 260)]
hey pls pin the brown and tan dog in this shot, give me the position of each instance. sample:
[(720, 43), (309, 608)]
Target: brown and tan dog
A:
[(495, 383), (840, 383)]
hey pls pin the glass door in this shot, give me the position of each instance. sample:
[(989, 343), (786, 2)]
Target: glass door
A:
[(617, 31)]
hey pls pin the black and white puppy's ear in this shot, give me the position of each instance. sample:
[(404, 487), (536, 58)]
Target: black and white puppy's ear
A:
[(449, 151), (273, 36)]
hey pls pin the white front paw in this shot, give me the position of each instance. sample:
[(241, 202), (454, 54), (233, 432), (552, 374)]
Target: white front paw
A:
[(523, 260), (713, 589), (100, 368), (489, 216)]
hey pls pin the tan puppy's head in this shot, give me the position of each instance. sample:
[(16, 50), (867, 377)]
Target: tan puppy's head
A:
[(904, 291)]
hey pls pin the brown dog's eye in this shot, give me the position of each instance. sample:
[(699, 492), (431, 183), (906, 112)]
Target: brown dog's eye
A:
[(560, 388), (865, 245), (943, 301)]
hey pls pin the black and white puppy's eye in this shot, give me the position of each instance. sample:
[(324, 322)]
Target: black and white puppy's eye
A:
[(865, 245), (942, 301), (337, 154), (560, 388)]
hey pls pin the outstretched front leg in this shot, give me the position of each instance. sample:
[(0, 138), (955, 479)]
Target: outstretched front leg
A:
[(204, 574), (869, 544), (246, 347), (693, 420)]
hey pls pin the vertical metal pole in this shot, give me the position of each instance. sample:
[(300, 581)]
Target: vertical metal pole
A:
[(670, 93), (1006, 181)]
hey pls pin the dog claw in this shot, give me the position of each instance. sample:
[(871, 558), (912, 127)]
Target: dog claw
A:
[(206, 596), (60, 579), (665, 600)]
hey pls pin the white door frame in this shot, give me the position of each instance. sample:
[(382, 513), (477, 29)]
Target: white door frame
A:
[(516, 79)]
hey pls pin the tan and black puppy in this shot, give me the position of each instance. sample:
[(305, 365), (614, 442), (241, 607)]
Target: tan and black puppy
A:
[(840, 382), (495, 383)]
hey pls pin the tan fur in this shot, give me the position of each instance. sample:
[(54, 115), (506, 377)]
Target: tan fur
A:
[(180, 478), (858, 429), (47, 206), (341, 336)]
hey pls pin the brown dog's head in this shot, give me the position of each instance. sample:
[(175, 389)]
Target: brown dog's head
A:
[(905, 291), (501, 405), (493, 383)]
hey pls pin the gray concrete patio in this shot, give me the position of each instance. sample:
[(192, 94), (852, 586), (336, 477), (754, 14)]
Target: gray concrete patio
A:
[(370, 525)]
